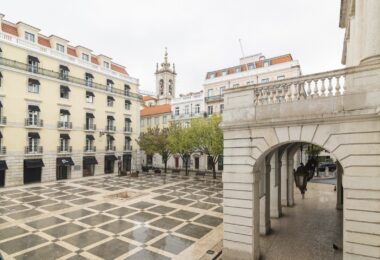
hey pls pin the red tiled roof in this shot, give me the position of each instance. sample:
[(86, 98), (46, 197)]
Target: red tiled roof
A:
[(258, 64), (119, 69), (94, 60), (9, 29), (43, 41), (156, 110), (147, 98), (71, 51)]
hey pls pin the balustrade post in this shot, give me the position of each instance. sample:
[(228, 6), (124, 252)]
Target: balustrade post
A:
[(329, 88)]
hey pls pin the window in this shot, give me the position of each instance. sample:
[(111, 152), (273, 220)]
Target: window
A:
[(33, 86), (127, 105), (60, 48), (33, 63), (148, 121), (89, 78), (221, 108), (29, 37), (164, 119), (110, 140), (85, 57), (106, 64), (127, 124), (89, 121), (127, 88), (209, 110), (235, 85), (89, 97), (209, 93), (127, 143), (280, 77), (197, 109), (224, 73), (33, 141), (265, 80), (33, 115), (251, 66), (237, 69), (221, 91), (176, 111), (156, 120), (186, 109), (64, 143), (63, 72), (110, 101), (64, 92), (266, 63), (212, 75), (89, 143), (64, 118), (109, 85), (142, 121), (110, 120), (1, 78)]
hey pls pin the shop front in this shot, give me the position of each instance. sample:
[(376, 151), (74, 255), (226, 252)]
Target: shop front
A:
[(33, 170), (89, 165), (64, 167), (109, 163), (127, 162)]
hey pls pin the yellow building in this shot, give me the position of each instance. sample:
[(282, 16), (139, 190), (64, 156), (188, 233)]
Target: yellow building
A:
[(65, 112)]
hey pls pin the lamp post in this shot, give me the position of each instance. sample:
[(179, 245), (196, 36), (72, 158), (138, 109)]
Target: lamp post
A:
[(301, 177)]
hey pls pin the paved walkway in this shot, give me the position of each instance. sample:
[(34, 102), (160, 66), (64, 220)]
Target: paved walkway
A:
[(163, 218), (307, 230)]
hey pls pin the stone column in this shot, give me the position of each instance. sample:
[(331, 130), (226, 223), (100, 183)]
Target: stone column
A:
[(265, 200), (371, 29), (284, 178), (339, 187), (290, 157), (275, 186)]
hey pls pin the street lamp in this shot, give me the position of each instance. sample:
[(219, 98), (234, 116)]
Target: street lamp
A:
[(301, 177)]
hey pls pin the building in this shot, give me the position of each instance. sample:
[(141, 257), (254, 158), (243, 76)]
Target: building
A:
[(73, 113), (187, 107), (251, 70)]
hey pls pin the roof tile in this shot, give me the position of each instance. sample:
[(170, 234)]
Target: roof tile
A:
[(156, 110)]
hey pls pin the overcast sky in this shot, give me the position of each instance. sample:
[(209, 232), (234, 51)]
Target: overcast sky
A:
[(201, 35)]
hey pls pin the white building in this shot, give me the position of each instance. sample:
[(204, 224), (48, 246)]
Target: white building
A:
[(187, 107)]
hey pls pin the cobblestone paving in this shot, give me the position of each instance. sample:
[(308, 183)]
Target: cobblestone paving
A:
[(173, 217)]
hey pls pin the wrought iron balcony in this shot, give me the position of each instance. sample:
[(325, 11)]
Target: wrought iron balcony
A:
[(33, 150), (34, 122), (109, 148), (127, 148), (89, 127), (110, 128), (3, 150), (127, 129), (64, 149), (3, 120), (214, 98), (64, 125), (89, 149)]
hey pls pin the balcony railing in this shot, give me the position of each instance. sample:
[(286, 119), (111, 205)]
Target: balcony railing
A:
[(110, 148), (89, 149), (33, 149), (64, 149), (214, 98), (3, 120), (57, 75), (127, 129), (110, 128), (64, 125), (3, 150), (90, 127), (34, 122), (127, 148)]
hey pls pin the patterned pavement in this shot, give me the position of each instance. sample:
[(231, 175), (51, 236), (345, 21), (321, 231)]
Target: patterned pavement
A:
[(168, 217)]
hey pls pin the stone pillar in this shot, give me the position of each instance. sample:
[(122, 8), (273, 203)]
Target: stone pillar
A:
[(371, 29), (275, 186), (284, 178), (339, 187), (290, 157), (265, 200)]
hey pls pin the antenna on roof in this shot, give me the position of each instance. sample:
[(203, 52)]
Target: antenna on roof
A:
[(241, 48)]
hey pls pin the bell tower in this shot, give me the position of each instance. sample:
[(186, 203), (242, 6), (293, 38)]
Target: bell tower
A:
[(165, 81)]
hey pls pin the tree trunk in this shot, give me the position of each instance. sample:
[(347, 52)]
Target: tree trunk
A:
[(165, 164), (213, 171)]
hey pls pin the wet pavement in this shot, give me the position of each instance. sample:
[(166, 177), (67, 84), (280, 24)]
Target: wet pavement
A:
[(170, 217)]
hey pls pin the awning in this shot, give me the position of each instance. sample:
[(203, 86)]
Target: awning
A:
[(88, 93), (64, 136), (128, 119), (128, 101), (34, 108), (90, 137), (1, 104), (34, 59), (127, 86), (1, 74), (109, 82), (110, 158), (65, 161), (89, 75), (34, 135), (34, 82), (33, 163), (90, 115), (110, 118), (63, 67), (111, 137), (89, 160), (3, 165), (1, 135), (128, 138), (65, 88), (64, 112), (110, 98)]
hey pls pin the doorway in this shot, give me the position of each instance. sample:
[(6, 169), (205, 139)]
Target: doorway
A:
[(176, 162), (33, 170), (127, 162), (196, 163), (89, 165), (109, 163)]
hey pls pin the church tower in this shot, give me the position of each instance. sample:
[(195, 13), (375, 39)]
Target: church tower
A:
[(165, 81)]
